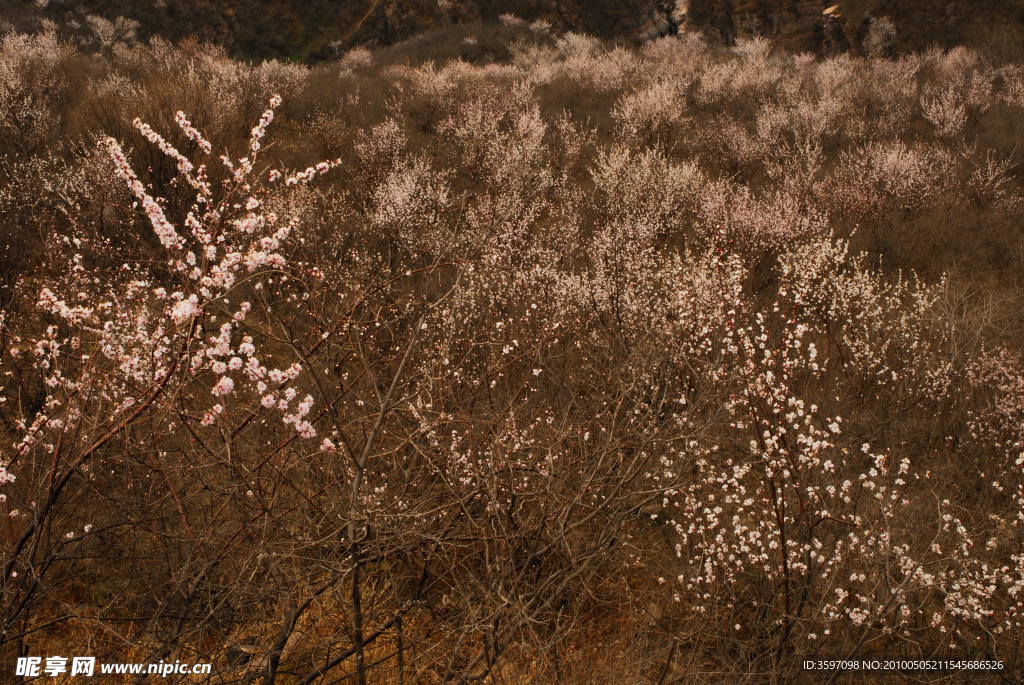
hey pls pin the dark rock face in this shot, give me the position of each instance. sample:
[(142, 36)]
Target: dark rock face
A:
[(796, 22), (637, 19), (842, 24), (317, 29)]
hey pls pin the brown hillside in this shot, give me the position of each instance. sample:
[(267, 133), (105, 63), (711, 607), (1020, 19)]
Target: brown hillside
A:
[(314, 30)]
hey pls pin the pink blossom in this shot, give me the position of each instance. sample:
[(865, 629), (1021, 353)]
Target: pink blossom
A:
[(192, 133), (224, 386), (185, 309), (261, 128)]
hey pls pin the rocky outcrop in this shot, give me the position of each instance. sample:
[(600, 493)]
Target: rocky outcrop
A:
[(680, 12), (640, 20), (841, 24), (311, 29), (654, 27), (796, 22)]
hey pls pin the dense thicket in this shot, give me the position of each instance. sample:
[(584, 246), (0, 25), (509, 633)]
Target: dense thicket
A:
[(597, 365)]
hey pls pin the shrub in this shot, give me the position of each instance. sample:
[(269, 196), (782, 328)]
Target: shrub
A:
[(707, 355)]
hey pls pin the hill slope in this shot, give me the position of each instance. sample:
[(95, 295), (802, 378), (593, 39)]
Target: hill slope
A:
[(320, 29), (304, 29)]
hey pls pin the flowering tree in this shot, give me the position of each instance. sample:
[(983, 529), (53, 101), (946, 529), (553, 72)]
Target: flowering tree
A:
[(600, 346)]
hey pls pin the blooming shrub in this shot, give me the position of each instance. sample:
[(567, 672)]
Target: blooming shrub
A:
[(701, 353)]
